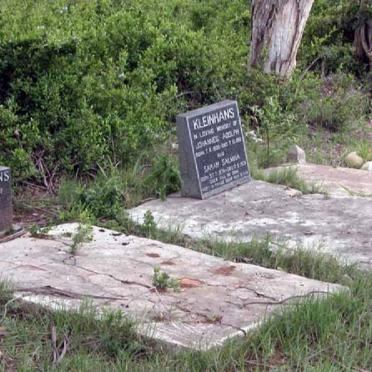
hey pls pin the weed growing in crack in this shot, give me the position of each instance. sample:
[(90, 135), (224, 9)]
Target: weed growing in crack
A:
[(162, 281), (38, 231), (149, 225), (82, 235)]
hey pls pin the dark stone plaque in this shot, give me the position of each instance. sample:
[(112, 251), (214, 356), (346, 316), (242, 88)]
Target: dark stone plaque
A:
[(6, 210), (212, 150)]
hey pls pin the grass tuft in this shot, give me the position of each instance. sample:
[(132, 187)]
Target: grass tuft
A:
[(288, 176)]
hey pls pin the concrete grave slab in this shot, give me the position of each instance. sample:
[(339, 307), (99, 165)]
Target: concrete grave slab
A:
[(218, 299), (340, 226), (338, 182)]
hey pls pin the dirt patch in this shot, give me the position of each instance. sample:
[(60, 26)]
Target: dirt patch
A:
[(225, 270), (190, 283), (153, 255), (168, 263)]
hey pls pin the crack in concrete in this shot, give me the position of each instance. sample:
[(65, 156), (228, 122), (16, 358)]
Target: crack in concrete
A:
[(122, 281), (213, 319), (281, 302), (258, 294), (206, 318), (52, 291)]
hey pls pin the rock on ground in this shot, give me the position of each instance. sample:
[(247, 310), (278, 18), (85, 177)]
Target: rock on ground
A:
[(296, 155), (218, 299), (353, 160)]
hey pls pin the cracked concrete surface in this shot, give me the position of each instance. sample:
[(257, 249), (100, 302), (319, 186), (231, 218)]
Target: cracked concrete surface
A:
[(218, 299), (341, 226)]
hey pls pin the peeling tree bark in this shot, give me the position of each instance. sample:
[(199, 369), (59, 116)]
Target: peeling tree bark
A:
[(277, 29)]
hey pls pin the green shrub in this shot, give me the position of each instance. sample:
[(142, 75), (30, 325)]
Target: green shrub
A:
[(86, 84), (164, 176), (338, 104), (114, 189), (327, 45), (278, 128), (91, 81)]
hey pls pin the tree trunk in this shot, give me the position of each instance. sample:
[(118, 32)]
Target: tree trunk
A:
[(363, 34), (277, 29)]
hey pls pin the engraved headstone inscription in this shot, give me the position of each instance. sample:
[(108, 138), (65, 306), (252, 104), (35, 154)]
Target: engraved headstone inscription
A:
[(211, 150), (6, 210)]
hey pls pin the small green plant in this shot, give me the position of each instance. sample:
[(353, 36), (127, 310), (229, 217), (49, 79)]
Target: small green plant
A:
[(365, 151), (83, 235), (6, 292), (38, 231), (149, 225), (164, 177), (277, 127), (162, 281)]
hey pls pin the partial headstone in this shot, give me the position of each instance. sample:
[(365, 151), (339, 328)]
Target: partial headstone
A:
[(296, 155), (211, 150), (6, 210)]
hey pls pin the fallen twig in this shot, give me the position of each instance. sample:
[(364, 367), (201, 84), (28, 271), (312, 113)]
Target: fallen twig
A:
[(58, 356)]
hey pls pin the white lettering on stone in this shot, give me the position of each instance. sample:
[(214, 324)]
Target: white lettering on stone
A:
[(230, 160), (4, 176), (207, 142), (210, 167), (214, 118)]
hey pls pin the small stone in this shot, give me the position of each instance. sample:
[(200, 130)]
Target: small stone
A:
[(353, 160), (296, 155), (367, 166)]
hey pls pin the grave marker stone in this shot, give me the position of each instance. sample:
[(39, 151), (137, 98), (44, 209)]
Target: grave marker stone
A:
[(211, 150), (6, 210)]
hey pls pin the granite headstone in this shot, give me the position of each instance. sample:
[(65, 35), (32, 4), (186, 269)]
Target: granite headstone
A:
[(211, 150), (6, 209)]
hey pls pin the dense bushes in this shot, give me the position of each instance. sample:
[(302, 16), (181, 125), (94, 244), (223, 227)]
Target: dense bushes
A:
[(86, 84), (95, 80)]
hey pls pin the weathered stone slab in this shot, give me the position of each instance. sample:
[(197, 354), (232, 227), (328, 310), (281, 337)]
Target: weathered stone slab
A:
[(340, 226), (6, 210), (338, 182), (218, 299), (211, 150)]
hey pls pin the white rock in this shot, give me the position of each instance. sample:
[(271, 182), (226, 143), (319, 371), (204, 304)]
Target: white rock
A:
[(254, 137), (296, 155), (367, 166), (353, 160)]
